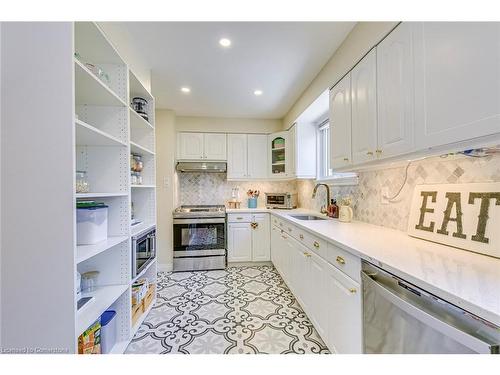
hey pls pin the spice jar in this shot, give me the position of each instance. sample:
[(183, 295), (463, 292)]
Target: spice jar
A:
[(139, 178), (81, 182), (133, 178)]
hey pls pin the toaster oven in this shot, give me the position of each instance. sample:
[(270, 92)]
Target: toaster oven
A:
[(285, 201)]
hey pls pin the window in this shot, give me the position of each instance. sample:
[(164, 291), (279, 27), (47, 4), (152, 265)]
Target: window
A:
[(325, 171)]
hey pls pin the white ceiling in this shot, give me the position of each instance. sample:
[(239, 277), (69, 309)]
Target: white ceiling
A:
[(279, 58)]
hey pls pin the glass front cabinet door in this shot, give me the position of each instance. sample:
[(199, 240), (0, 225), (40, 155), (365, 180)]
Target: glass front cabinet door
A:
[(278, 143)]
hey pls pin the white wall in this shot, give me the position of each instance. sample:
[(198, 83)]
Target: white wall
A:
[(227, 125), (359, 41)]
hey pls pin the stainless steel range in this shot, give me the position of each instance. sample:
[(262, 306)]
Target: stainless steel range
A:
[(199, 238)]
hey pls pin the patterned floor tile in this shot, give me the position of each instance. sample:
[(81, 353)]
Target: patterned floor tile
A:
[(239, 310)]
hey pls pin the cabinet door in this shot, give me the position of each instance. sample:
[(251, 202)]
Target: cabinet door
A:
[(457, 81), (278, 154), (239, 242), (340, 123), (364, 109), (257, 156), (261, 236), (275, 242), (237, 156), (395, 88), (317, 291), (344, 326), (215, 146), (290, 150), (190, 146)]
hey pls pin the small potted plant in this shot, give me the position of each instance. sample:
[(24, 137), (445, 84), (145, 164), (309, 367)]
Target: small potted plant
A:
[(252, 198)]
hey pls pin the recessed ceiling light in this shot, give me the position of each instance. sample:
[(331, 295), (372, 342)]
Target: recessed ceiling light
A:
[(185, 90), (224, 42), (258, 92)]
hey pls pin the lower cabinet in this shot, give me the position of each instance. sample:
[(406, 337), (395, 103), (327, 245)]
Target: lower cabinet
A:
[(330, 298), (249, 240)]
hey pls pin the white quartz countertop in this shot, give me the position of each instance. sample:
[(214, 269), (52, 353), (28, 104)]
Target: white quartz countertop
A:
[(466, 279)]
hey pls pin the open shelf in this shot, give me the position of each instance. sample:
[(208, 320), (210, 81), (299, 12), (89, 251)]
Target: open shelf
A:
[(137, 122), (143, 186), (84, 252), (104, 296), (140, 227), (137, 325), (91, 90), (279, 163), (88, 135), (99, 195), (137, 89), (91, 43), (138, 149)]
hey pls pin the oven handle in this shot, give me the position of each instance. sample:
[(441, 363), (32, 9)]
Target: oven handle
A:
[(200, 221)]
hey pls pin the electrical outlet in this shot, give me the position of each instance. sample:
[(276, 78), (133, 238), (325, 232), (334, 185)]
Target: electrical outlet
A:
[(384, 195)]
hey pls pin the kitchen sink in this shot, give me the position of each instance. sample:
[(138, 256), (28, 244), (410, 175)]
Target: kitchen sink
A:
[(307, 217)]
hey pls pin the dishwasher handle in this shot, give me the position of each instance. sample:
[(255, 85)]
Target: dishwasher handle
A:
[(430, 320)]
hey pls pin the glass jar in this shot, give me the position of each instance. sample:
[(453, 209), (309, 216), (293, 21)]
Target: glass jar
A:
[(133, 178), (138, 165), (81, 182), (89, 281), (139, 178)]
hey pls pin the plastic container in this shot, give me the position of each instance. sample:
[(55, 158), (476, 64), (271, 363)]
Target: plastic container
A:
[(91, 224), (108, 331), (252, 202)]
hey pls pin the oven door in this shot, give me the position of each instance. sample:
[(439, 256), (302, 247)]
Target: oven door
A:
[(199, 237)]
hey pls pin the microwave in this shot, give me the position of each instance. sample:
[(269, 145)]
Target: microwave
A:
[(285, 201), (143, 250)]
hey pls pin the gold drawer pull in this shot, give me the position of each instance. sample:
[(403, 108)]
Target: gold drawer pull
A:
[(379, 151), (239, 218), (307, 255), (346, 159), (316, 244), (369, 153), (340, 260), (301, 236), (353, 290)]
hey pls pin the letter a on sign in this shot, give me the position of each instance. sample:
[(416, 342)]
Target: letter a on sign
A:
[(466, 216)]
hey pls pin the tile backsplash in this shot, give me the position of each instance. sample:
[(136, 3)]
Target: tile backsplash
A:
[(213, 188), (367, 195)]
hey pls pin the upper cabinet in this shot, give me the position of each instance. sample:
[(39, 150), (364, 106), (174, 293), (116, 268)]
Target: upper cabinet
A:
[(246, 156), (395, 87), (280, 155), (457, 79), (340, 123), (364, 108), (201, 146)]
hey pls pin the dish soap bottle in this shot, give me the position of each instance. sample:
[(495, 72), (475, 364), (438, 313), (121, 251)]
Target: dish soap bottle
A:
[(333, 209)]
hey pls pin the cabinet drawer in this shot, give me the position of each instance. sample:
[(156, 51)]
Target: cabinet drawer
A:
[(239, 218), (344, 261)]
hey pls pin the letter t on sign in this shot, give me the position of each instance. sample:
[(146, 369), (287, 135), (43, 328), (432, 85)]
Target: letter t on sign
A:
[(483, 213), (424, 210)]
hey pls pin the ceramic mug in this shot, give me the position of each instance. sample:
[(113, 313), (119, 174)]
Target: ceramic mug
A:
[(345, 214)]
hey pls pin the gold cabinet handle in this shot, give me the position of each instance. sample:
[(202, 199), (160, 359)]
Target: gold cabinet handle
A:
[(378, 151), (284, 237), (301, 236), (353, 290), (346, 159), (239, 218), (340, 260), (307, 255), (369, 153), (316, 244)]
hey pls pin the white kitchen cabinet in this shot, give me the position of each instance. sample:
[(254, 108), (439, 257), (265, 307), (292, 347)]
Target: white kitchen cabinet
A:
[(201, 146), (290, 150), (239, 242), (237, 151), (279, 152), (395, 92), (249, 238), (340, 123), (261, 236), (457, 81), (364, 109), (344, 308), (215, 146), (317, 291), (190, 146), (247, 156), (305, 150)]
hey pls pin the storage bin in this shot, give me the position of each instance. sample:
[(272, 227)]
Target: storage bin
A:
[(91, 224), (108, 331)]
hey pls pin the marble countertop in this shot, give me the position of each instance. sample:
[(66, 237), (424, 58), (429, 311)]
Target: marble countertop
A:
[(466, 279)]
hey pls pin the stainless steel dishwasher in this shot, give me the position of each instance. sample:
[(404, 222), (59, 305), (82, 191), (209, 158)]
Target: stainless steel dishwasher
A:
[(399, 317)]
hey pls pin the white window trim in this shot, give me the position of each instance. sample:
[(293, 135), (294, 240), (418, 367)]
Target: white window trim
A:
[(338, 179)]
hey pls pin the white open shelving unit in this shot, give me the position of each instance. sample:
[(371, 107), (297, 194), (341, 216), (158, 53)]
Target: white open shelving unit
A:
[(75, 122)]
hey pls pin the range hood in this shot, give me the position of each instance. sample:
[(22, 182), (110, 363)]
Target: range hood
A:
[(202, 166)]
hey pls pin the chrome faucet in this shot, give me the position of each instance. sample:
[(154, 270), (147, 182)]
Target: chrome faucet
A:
[(324, 209)]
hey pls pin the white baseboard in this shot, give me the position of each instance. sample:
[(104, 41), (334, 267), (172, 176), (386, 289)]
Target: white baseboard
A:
[(165, 267)]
